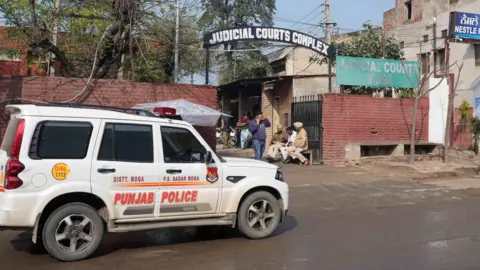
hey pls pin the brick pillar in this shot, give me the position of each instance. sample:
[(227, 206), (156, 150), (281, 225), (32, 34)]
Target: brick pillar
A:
[(242, 103), (226, 101), (208, 134), (267, 108)]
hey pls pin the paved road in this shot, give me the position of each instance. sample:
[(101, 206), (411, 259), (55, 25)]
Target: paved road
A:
[(357, 225)]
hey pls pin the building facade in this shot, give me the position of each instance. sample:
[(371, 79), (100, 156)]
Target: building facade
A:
[(15, 58), (299, 61), (421, 28)]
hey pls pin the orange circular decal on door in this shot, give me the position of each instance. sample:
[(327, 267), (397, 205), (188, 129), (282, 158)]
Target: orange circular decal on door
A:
[(60, 171)]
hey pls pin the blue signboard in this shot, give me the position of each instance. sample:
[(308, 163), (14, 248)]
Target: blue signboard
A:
[(467, 25), (476, 111)]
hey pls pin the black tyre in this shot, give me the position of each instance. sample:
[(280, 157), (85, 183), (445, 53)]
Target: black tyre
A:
[(259, 215), (73, 232)]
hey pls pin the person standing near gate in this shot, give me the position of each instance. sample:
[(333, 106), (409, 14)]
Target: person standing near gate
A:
[(259, 134), (226, 130)]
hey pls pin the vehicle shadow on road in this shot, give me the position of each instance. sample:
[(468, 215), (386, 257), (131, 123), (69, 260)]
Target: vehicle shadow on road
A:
[(288, 224), (143, 239), (23, 242), (174, 236)]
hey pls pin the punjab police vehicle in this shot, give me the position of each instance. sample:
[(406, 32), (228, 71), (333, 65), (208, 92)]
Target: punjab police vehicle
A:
[(74, 172)]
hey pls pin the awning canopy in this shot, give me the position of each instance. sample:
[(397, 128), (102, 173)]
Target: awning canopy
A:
[(192, 113)]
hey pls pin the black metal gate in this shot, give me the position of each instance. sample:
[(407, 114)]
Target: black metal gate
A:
[(308, 110)]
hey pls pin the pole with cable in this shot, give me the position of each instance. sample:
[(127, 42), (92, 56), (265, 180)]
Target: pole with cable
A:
[(327, 40), (327, 21), (52, 60), (177, 37)]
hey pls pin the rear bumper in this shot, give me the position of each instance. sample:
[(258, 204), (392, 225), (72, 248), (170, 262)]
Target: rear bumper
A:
[(17, 211), (5, 219)]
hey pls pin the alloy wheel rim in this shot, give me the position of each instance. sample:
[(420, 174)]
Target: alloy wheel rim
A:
[(74, 233), (260, 215)]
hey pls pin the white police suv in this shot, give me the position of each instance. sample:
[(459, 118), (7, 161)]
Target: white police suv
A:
[(74, 172)]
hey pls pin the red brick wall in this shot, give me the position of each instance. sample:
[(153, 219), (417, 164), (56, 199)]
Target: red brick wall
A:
[(462, 131), (119, 93), (397, 16), (10, 88), (389, 19), (363, 119)]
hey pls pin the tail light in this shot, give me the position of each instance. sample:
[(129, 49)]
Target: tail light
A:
[(14, 168), (17, 140)]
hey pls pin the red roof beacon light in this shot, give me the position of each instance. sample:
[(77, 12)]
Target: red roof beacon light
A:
[(165, 111)]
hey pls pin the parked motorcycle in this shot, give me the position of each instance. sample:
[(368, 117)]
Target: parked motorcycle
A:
[(233, 137), (219, 135)]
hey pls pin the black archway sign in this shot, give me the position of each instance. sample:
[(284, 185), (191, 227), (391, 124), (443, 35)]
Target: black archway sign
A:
[(266, 34)]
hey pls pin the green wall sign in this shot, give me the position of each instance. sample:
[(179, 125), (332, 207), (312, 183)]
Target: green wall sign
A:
[(376, 72)]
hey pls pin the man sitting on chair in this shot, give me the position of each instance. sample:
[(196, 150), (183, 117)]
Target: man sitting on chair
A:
[(291, 139), (300, 145), (278, 141)]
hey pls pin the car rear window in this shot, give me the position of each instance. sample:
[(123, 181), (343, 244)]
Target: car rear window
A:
[(61, 140)]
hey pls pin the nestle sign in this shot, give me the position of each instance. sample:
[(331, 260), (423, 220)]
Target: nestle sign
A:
[(464, 25)]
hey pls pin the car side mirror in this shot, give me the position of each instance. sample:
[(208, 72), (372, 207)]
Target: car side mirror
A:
[(208, 157)]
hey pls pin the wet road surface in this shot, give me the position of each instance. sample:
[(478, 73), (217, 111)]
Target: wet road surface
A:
[(348, 225)]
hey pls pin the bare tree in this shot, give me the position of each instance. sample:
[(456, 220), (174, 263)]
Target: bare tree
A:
[(418, 93), (451, 98)]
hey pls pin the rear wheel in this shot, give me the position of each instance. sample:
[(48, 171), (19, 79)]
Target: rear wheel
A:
[(259, 215), (73, 232), (233, 141)]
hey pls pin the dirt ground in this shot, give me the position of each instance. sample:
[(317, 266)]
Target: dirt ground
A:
[(463, 164)]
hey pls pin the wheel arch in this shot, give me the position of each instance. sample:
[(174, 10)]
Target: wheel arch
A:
[(83, 197), (268, 189)]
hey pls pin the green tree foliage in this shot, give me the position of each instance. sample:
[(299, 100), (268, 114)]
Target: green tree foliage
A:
[(157, 52), (135, 39), (33, 23), (221, 14), (368, 43)]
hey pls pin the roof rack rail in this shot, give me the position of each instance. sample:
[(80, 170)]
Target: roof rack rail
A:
[(93, 106)]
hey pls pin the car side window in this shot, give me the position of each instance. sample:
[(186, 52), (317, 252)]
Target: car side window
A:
[(181, 146), (60, 140), (127, 143)]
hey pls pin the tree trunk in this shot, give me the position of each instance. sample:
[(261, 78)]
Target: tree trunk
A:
[(413, 131), (448, 125)]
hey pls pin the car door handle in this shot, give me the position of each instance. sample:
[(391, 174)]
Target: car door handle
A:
[(170, 171), (105, 170)]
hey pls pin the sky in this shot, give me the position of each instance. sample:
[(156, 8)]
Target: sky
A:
[(348, 14)]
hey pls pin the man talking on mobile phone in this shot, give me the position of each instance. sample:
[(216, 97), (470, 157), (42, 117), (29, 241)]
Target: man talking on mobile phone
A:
[(259, 134)]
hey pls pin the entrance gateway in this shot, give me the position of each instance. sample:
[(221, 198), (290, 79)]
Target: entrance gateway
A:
[(260, 33), (306, 110)]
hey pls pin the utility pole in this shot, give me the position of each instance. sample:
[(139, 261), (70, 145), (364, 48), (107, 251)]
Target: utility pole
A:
[(327, 40), (177, 37), (52, 60), (383, 43), (327, 21)]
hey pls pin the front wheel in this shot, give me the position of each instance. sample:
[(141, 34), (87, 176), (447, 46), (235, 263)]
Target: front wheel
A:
[(259, 215), (73, 232)]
